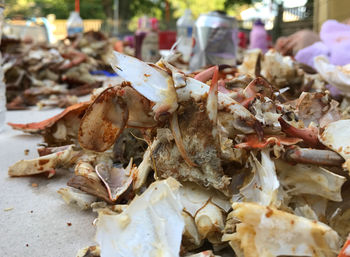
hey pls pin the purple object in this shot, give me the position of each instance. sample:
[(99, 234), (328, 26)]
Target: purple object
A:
[(335, 45), (307, 54)]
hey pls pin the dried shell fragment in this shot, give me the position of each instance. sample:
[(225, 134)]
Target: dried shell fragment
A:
[(310, 179), (263, 187), (338, 76), (116, 179), (210, 221), (71, 196), (47, 163), (153, 83), (103, 121), (37, 127), (151, 225), (336, 137), (266, 231)]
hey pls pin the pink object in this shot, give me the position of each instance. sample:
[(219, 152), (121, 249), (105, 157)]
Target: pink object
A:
[(258, 38)]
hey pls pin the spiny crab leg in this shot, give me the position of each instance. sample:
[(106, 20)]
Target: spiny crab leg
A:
[(309, 135), (313, 156)]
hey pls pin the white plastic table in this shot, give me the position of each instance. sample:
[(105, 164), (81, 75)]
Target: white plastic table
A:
[(34, 221)]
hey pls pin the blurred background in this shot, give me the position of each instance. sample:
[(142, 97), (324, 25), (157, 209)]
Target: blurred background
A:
[(119, 18)]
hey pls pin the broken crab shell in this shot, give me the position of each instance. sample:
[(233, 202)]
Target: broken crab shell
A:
[(210, 222), (47, 163), (151, 225), (116, 179), (336, 137), (37, 127), (113, 110), (191, 239), (113, 113), (266, 231), (152, 82), (338, 76)]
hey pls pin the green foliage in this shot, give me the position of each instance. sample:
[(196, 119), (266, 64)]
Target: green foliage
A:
[(89, 9)]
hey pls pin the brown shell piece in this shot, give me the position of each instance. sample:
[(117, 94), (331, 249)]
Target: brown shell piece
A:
[(103, 121)]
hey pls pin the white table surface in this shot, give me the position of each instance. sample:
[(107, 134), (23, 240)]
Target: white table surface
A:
[(37, 224)]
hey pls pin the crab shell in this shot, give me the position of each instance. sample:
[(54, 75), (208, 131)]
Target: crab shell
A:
[(153, 92)]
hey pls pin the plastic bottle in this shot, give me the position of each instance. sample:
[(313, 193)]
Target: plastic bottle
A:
[(75, 24), (150, 44), (2, 84), (258, 36), (184, 31)]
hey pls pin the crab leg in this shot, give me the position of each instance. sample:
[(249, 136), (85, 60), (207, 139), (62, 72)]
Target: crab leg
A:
[(313, 156), (309, 135), (205, 75)]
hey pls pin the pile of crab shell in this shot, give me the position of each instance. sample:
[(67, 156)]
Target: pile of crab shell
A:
[(246, 161), (52, 75)]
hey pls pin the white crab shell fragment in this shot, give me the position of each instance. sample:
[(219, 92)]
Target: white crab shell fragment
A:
[(191, 239), (151, 225), (47, 163), (72, 196), (153, 83), (210, 221), (263, 187), (338, 76), (194, 197), (278, 69), (265, 231), (336, 137), (310, 179), (207, 253)]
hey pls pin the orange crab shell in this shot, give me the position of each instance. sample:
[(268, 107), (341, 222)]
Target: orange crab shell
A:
[(36, 127)]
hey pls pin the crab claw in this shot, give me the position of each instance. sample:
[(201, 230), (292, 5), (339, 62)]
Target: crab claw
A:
[(309, 135), (152, 82), (103, 121)]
